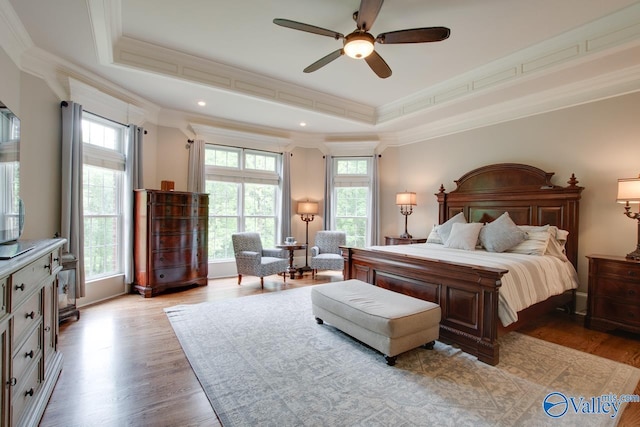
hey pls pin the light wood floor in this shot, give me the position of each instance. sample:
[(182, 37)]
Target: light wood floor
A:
[(123, 365)]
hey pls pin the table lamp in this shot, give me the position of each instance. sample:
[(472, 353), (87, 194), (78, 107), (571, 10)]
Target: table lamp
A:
[(629, 192), (406, 201), (307, 210)]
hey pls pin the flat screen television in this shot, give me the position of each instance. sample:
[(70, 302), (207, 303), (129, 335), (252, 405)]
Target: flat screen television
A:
[(11, 210)]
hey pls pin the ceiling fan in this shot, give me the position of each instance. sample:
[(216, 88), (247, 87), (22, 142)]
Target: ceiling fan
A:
[(359, 43)]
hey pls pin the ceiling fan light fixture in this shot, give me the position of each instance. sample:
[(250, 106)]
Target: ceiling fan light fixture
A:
[(358, 45)]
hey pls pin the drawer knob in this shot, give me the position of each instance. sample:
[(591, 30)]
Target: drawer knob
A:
[(20, 287), (29, 392), (162, 276), (30, 315), (12, 381), (47, 328), (29, 355)]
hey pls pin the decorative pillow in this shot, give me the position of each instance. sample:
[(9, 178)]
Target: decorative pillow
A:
[(434, 237), (444, 229), (536, 242), (501, 234), (464, 236)]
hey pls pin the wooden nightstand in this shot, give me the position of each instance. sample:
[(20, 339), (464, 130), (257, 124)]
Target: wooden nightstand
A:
[(614, 293), (395, 240)]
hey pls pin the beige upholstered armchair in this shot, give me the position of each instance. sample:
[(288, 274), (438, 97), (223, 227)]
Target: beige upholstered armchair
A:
[(326, 254), (253, 260)]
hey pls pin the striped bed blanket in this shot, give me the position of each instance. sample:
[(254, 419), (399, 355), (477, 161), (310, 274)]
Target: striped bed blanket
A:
[(530, 279)]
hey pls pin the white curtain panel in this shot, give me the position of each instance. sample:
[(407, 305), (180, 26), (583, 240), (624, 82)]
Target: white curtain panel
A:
[(328, 189), (285, 205), (195, 181), (133, 181), (72, 220), (375, 202)]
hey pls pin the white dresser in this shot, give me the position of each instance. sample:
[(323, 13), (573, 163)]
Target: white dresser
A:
[(31, 362)]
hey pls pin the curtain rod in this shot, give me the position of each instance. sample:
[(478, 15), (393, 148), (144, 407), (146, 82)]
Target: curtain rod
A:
[(66, 104), (347, 157), (191, 141)]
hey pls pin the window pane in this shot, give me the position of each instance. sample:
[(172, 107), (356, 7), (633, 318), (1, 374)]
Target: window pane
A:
[(224, 217), (102, 201), (352, 167), (227, 158), (260, 199), (351, 213)]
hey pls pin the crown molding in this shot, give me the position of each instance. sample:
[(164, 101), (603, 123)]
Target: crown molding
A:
[(617, 31), (14, 37), (240, 138)]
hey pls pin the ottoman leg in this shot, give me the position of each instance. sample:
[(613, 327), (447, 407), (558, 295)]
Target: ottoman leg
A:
[(429, 345), (319, 321), (391, 360)]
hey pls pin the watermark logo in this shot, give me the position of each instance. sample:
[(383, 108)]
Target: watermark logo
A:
[(557, 404)]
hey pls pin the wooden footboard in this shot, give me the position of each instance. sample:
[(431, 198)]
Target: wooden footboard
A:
[(467, 294)]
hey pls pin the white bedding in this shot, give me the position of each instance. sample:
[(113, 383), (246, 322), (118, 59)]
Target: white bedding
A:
[(530, 279)]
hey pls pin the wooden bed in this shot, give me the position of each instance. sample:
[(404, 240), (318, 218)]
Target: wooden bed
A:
[(468, 294)]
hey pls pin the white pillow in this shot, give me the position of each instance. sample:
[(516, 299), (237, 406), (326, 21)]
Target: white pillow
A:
[(535, 243), (444, 229), (464, 236), (434, 237), (501, 234)]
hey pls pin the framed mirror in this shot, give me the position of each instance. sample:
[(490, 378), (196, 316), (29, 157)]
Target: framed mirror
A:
[(11, 217)]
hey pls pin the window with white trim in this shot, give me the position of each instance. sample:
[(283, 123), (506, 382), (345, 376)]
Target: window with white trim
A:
[(244, 193), (352, 183), (103, 196)]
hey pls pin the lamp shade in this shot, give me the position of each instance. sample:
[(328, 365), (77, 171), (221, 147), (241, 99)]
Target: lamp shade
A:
[(406, 199), (358, 45), (629, 190), (310, 208)]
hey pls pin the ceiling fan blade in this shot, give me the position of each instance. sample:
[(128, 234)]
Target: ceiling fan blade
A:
[(368, 13), (308, 28), (415, 35), (324, 61), (378, 65)]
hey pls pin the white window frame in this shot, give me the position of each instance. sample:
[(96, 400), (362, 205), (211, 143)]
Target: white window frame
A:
[(96, 156), (243, 175), (352, 180)]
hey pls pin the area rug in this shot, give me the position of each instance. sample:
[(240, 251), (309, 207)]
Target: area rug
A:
[(263, 360)]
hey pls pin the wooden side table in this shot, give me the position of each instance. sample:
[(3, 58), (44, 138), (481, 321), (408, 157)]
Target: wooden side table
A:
[(613, 301), (396, 240), (291, 270)]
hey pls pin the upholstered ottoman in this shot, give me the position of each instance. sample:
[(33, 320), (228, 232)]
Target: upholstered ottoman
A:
[(388, 321)]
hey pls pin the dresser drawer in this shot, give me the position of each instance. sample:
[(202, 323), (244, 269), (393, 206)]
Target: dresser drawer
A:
[(24, 281), (26, 316), (176, 258), (22, 394), (29, 351), (180, 274), (625, 291), (619, 269), (617, 311), (175, 225)]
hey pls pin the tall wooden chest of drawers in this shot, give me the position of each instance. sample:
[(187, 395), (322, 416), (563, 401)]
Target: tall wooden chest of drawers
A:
[(613, 301), (170, 240)]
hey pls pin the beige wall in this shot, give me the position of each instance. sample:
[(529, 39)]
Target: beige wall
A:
[(40, 158), (172, 159), (599, 142)]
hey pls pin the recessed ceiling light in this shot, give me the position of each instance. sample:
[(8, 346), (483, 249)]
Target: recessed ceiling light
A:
[(303, 124), (202, 103)]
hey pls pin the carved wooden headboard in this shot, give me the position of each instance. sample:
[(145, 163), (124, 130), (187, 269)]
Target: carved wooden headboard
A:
[(526, 192)]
